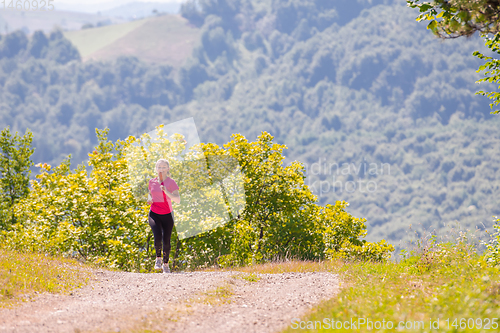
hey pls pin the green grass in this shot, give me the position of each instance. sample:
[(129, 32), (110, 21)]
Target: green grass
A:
[(23, 275), (445, 282), (252, 277), (220, 295)]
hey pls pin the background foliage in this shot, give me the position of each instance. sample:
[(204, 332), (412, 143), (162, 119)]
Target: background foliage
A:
[(340, 82)]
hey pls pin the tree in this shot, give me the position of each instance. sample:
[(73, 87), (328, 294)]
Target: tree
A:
[(192, 12), (61, 50), (15, 171), (38, 45), (457, 18), (13, 43), (281, 218)]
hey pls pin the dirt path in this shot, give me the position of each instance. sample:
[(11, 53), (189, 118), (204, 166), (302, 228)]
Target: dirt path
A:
[(178, 302)]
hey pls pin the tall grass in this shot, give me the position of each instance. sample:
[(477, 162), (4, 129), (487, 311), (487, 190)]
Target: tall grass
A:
[(22, 275), (447, 285)]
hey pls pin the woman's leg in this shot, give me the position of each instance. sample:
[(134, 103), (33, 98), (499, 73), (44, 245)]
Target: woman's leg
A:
[(155, 224), (168, 225)]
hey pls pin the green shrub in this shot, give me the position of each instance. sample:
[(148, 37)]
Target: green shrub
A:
[(493, 247), (94, 217), (101, 218)]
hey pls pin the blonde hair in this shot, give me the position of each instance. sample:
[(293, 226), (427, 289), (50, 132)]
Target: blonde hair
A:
[(162, 160)]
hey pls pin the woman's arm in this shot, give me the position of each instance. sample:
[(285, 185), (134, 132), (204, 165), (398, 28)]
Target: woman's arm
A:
[(150, 198), (174, 196)]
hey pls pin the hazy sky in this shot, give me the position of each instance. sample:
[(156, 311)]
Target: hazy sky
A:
[(94, 2), (94, 6)]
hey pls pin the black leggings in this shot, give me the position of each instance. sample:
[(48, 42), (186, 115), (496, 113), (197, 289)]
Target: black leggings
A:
[(162, 225)]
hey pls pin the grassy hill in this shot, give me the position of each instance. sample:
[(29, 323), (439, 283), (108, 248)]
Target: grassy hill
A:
[(88, 41), (167, 39)]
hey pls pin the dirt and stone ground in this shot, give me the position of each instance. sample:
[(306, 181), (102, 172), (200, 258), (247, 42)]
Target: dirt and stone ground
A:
[(178, 302)]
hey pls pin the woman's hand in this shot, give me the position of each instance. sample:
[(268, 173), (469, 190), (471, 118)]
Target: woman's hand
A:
[(174, 196)]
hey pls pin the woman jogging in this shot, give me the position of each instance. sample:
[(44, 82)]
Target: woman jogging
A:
[(163, 190)]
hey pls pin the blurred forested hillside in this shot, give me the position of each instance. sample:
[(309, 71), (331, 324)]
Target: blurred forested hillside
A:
[(383, 114)]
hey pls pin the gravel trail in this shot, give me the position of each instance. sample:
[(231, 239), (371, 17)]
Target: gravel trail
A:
[(215, 302)]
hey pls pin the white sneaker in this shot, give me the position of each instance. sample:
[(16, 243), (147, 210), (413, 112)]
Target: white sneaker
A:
[(166, 269), (158, 263)]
